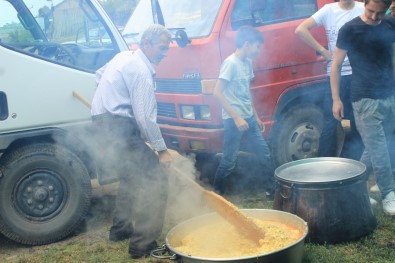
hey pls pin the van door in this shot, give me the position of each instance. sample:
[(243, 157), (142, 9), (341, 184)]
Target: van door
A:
[(48, 49)]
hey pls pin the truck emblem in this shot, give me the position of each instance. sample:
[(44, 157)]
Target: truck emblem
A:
[(194, 75)]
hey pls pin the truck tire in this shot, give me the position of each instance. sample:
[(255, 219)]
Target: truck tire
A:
[(296, 135), (45, 193)]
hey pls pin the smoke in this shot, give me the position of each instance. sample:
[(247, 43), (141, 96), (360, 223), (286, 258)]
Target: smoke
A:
[(185, 200)]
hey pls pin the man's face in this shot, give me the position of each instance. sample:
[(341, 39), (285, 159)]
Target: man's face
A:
[(155, 52), (392, 8), (374, 12)]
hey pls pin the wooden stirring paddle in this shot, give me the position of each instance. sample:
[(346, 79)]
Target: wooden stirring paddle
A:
[(227, 210)]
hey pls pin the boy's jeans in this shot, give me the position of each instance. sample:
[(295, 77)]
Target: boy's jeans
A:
[(254, 143)]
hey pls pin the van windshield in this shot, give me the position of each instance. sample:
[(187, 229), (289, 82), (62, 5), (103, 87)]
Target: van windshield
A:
[(67, 32), (196, 17)]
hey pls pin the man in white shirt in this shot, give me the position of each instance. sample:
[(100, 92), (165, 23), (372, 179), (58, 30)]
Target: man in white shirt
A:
[(124, 113), (333, 16)]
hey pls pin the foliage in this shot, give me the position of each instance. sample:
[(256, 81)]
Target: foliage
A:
[(19, 36), (14, 33)]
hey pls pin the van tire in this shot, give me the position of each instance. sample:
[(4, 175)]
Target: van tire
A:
[(45, 193), (297, 134)]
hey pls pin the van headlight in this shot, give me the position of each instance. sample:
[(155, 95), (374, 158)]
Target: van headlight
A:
[(195, 112)]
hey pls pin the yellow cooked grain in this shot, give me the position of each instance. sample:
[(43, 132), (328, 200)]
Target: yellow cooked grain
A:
[(221, 240)]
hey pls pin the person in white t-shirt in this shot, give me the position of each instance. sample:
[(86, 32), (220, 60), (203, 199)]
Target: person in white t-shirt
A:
[(332, 17)]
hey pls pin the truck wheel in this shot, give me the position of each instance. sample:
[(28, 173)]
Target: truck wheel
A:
[(44, 194), (297, 134)]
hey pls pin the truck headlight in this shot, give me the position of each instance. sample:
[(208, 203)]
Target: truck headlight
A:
[(188, 112), (205, 113), (195, 112)]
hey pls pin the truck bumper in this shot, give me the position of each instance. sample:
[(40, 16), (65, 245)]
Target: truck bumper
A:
[(187, 139)]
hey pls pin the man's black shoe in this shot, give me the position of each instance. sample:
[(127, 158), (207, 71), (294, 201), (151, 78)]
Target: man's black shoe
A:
[(136, 253)]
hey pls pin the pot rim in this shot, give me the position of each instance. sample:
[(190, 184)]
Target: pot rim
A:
[(342, 170), (299, 241)]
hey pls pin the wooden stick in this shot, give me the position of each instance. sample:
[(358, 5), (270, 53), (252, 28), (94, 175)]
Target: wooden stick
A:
[(228, 211), (82, 99)]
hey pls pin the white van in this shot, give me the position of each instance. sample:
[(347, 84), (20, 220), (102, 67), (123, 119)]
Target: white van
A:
[(48, 49)]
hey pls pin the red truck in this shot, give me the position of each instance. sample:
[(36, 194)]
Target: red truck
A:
[(289, 75)]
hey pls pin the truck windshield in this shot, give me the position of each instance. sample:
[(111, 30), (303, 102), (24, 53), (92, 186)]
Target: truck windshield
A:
[(196, 17)]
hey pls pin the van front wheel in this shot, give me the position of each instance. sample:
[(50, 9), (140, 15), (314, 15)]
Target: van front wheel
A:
[(44, 193)]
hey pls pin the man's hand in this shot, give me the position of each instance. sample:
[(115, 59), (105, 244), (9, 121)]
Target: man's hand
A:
[(241, 124), (337, 110), (326, 54), (165, 158)]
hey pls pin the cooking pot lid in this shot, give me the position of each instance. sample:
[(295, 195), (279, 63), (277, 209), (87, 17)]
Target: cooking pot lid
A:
[(320, 170)]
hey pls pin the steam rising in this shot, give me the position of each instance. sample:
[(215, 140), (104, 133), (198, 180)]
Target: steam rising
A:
[(184, 200)]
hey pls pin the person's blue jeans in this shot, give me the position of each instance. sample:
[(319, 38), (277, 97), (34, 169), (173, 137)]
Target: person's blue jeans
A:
[(375, 120), (253, 142)]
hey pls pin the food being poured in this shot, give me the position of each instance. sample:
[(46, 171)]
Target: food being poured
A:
[(220, 239)]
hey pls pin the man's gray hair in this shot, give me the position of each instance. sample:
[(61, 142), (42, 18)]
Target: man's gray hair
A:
[(153, 33)]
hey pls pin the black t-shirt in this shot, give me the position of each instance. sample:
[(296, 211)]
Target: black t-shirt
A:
[(369, 49)]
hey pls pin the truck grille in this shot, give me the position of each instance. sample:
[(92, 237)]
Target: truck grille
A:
[(178, 86), (167, 110)]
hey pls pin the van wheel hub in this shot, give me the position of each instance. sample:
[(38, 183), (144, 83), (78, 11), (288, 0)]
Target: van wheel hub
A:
[(39, 195)]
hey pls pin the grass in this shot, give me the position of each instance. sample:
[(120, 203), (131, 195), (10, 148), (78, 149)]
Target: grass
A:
[(92, 245)]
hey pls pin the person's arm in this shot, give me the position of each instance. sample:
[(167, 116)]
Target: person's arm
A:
[(143, 103), (218, 93), (303, 32), (338, 58)]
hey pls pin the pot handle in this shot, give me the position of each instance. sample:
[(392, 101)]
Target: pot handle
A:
[(288, 193), (163, 253)]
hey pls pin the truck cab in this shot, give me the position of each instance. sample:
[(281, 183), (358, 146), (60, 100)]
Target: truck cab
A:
[(49, 49), (289, 75)]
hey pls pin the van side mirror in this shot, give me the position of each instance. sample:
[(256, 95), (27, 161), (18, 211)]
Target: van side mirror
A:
[(181, 38)]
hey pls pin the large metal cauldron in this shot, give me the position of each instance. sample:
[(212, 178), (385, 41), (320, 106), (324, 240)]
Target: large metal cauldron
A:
[(330, 194), (292, 253)]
